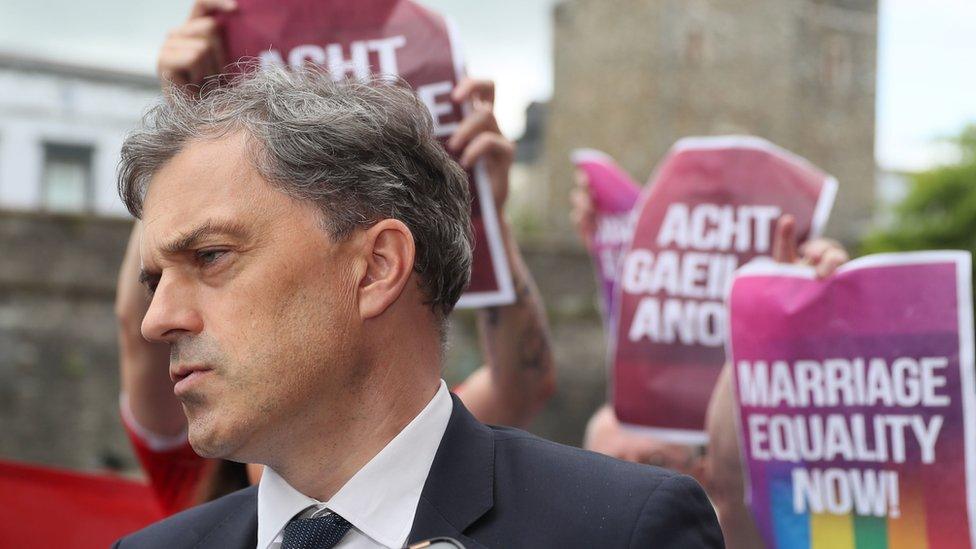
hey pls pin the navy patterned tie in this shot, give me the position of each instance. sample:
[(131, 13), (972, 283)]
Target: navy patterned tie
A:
[(322, 532)]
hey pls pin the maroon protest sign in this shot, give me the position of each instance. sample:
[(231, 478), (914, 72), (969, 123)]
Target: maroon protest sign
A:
[(388, 37), (711, 206)]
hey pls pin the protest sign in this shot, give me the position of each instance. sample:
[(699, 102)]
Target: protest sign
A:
[(44, 507), (855, 398), (711, 207), (385, 37), (613, 194)]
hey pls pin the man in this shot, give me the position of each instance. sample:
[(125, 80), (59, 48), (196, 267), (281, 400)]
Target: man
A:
[(304, 242), (516, 380)]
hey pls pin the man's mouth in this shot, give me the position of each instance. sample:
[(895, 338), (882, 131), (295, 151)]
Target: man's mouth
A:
[(185, 377), (183, 371)]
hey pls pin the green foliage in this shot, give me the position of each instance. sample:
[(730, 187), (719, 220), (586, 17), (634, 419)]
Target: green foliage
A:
[(939, 211)]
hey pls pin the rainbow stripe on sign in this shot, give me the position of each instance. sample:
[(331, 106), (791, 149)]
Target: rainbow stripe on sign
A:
[(851, 531)]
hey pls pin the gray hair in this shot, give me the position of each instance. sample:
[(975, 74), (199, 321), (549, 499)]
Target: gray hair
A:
[(362, 151)]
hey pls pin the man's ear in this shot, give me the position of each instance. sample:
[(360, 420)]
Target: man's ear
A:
[(390, 253)]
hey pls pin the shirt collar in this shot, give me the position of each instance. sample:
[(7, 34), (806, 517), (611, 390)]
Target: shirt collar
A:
[(380, 500)]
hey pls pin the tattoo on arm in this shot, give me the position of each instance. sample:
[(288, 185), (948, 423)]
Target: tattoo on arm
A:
[(532, 347), (492, 315)]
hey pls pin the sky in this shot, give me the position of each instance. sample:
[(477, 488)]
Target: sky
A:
[(926, 55), (926, 79)]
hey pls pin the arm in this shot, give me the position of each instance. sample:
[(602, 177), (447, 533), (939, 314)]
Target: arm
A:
[(583, 214), (519, 373), (152, 415), (723, 467), (144, 366), (723, 463)]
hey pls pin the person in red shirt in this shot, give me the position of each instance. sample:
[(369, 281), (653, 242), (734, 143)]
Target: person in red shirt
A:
[(518, 376)]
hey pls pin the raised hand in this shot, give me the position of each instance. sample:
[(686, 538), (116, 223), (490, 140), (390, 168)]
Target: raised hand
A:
[(193, 51), (823, 254), (478, 136)]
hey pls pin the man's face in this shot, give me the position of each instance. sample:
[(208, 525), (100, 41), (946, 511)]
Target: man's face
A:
[(256, 301)]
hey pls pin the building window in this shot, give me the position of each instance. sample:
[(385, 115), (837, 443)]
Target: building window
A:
[(67, 184)]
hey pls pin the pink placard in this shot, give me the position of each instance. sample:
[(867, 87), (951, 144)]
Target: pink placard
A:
[(613, 194), (855, 398)]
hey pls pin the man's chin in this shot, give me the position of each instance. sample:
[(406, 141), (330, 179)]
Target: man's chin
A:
[(209, 442)]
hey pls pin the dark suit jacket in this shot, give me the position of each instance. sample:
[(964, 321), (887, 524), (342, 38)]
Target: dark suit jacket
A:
[(500, 487)]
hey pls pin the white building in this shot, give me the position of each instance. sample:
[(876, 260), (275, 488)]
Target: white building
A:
[(61, 128)]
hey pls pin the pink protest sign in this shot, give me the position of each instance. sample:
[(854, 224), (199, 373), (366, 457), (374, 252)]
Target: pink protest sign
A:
[(855, 397), (711, 206), (387, 37), (613, 193)]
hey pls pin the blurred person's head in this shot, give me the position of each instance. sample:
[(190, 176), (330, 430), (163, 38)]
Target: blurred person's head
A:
[(605, 434), (304, 241)]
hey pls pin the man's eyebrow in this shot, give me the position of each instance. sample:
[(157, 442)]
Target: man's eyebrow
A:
[(189, 239)]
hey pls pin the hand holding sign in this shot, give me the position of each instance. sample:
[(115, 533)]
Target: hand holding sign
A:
[(823, 254), (478, 137), (602, 211), (193, 51)]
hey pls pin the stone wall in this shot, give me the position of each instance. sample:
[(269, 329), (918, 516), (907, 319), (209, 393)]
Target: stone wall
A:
[(58, 356), (633, 76)]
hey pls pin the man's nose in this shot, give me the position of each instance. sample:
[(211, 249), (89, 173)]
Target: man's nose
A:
[(172, 312)]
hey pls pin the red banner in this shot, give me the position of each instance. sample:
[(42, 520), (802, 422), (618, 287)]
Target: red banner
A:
[(711, 206), (44, 508), (391, 37)]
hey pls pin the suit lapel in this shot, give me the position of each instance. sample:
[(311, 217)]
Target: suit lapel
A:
[(238, 529), (458, 490)]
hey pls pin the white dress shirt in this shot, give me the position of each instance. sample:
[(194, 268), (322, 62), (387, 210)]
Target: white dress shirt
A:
[(380, 500)]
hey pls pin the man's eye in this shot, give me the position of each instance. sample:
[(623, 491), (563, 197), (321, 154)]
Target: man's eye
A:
[(209, 257), (149, 281)]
